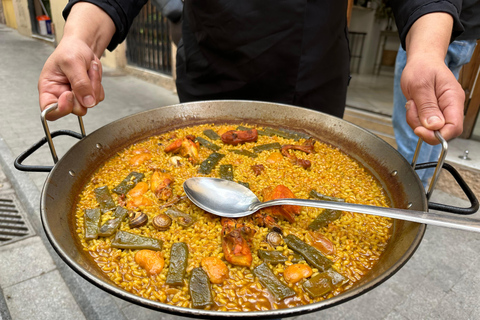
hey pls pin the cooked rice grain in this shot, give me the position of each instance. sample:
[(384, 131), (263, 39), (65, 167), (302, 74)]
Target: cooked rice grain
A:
[(359, 239)]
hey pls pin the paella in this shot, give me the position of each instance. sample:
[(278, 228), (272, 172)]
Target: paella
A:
[(135, 222)]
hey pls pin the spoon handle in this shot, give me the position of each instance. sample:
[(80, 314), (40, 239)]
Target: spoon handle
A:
[(456, 222)]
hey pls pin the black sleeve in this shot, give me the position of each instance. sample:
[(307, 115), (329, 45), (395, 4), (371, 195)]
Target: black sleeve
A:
[(122, 12), (407, 12)]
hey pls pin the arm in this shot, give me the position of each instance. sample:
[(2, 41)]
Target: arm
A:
[(435, 98), (72, 74)]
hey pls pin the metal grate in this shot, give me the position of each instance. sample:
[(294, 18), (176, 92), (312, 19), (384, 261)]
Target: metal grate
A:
[(13, 226), (148, 41)]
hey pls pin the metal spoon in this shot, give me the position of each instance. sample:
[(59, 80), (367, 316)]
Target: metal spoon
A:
[(232, 200)]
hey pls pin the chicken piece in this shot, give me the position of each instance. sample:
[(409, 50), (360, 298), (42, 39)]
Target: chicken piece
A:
[(235, 247), (216, 269), (138, 159), (307, 147), (186, 147), (139, 201), (140, 151), (160, 185), (286, 211), (151, 261), (322, 243), (139, 189), (297, 272), (234, 137)]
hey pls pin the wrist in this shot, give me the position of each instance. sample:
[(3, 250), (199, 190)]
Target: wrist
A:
[(91, 25), (429, 37)]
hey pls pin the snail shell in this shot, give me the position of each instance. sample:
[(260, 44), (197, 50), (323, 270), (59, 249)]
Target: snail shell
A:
[(274, 238), (162, 222), (138, 219)]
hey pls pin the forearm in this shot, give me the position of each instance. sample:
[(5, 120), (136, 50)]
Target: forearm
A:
[(90, 24), (432, 44)]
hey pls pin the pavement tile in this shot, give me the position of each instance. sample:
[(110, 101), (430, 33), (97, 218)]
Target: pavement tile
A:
[(422, 301), (42, 297), (457, 308), (23, 260), (134, 312)]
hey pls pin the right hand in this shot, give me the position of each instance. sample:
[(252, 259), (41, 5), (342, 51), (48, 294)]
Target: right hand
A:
[(72, 78)]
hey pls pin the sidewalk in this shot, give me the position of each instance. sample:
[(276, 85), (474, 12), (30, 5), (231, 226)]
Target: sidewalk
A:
[(439, 282)]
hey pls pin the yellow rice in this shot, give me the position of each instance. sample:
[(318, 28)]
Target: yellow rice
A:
[(359, 239)]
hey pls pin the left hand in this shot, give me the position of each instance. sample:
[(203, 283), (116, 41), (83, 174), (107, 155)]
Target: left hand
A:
[(435, 99)]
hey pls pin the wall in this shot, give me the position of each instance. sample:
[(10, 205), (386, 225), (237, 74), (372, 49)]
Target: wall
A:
[(363, 20), (58, 22), (22, 16)]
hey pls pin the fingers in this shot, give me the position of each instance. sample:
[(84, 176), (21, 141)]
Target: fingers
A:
[(78, 75), (64, 83), (453, 126), (413, 120), (95, 79), (65, 106)]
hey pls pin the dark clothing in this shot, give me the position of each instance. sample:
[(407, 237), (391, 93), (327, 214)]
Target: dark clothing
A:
[(470, 18), (407, 12), (286, 51), (267, 50)]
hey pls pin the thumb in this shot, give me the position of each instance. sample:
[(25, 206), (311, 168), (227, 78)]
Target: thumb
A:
[(81, 83), (429, 113)]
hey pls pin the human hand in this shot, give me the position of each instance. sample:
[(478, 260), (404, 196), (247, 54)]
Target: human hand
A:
[(435, 99), (72, 78)]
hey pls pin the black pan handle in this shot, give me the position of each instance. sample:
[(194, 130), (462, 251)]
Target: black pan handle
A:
[(24, 155), (48, 138), (466, 189)]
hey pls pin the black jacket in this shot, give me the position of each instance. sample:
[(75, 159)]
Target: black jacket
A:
[(285, 51)]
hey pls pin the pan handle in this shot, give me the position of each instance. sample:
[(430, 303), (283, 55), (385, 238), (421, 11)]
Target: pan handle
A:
[(48, 138), (474, 205)]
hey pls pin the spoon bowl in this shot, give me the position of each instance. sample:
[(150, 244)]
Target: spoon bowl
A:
[(232, 200)]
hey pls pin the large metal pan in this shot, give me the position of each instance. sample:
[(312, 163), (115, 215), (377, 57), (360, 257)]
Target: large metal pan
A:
[(69, 175)]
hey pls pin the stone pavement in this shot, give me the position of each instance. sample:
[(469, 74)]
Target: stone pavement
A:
[(439, 282)]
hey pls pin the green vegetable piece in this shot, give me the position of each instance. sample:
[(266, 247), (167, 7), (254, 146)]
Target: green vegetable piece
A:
[(208, 144), (266, 147), (226, 172), (128, 183), (243, 128), (260, 132), (208, 164), (109, 227), (178, 264), (273, 257), (127, 240), (244, 153), (199, 287), (91, 220), (297, 258), (319, 196), (286, 133), (245, 184), (324, 218), (313, 257), (323, 283), (266, 277), (211, 134), (104, 198), (182, 218)]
